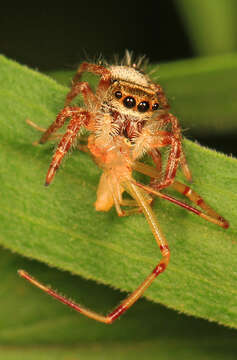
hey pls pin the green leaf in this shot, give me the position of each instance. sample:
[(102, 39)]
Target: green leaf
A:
[(211, 25), (59, 226)]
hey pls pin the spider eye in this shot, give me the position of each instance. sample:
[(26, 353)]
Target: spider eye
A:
[(143, 106), (129, 102), (155, 106), (118, 94)]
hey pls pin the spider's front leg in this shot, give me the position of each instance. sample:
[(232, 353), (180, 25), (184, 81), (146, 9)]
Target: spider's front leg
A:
[(84, 88), (150, 141), (176, 155), (164, 120), (79, 118), (64, 114), (50, 133)]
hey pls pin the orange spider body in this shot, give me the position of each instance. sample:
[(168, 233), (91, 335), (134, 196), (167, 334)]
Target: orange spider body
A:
[(128, 116)]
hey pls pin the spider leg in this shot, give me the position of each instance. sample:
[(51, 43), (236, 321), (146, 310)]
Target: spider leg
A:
[(84, 88), (78, 119), (92, 68), (156, 140), (172, 164), (138, 195), (146, 169), (150, 141), (176, 155), (157, 159), (209, 214), (133, 203), (175, 151), (198, 200), (59, 122), (184, 166)]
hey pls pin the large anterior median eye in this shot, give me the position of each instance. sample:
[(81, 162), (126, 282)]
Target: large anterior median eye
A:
[(143, 106), (129, 102)]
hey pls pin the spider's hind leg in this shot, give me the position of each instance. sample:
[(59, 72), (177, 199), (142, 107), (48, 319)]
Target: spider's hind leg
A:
[(137, 195), (193, 196), (135, 209), (208, 213)]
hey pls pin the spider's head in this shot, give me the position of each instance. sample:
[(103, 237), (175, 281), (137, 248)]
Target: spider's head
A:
[(131, 93)]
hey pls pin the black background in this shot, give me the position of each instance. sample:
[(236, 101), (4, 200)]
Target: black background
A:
[(50, 38)]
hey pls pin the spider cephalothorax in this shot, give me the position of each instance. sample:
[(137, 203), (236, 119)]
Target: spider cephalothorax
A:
[(127, 116), (133, 96), (132, 100)]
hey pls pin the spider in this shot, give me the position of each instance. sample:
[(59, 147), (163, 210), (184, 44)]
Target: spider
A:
[(127, 116)]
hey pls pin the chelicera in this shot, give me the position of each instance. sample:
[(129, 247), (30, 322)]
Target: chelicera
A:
[(127, 116)]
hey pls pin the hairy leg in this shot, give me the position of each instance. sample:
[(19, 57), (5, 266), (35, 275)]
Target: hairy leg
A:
[(78, 119), (176, 155), (84, 88), (64, 114)]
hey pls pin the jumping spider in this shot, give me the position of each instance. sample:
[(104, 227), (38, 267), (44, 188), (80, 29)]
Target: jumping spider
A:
[(127, 116)]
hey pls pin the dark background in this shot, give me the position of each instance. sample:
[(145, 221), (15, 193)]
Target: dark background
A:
[(60, 37), (50, 38)]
